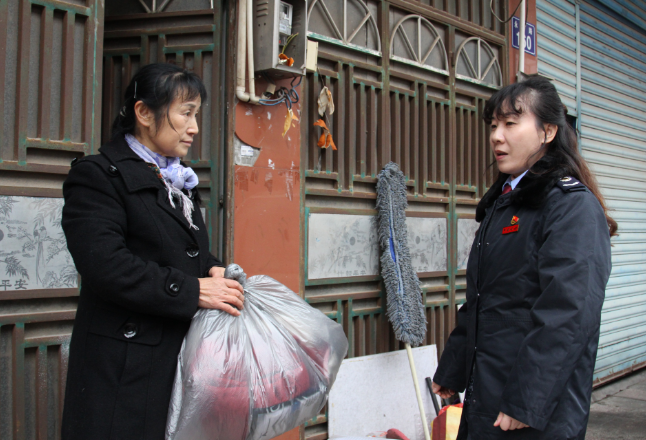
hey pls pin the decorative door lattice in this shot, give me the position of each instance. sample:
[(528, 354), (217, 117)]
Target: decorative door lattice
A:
[(409, 100), (349, 23), (49, 110), (426, 42), (476, 61), (188, 39)]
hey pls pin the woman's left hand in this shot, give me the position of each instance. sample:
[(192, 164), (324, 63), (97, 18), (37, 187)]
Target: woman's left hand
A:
[(216, 272), (441, 391), (507, 423)]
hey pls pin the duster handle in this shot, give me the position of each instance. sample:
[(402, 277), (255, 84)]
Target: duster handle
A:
[(422, 413)]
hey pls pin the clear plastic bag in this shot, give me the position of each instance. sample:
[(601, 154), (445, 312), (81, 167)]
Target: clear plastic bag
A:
[(258, 375)]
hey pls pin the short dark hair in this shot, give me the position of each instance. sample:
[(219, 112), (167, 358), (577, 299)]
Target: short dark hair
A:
[(157, 86), (539, 96)]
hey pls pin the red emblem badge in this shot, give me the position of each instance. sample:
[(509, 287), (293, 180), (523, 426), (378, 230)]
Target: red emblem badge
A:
[(509, 229), (514, 220)]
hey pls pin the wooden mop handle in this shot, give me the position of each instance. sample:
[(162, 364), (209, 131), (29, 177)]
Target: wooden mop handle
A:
[(422, 413)]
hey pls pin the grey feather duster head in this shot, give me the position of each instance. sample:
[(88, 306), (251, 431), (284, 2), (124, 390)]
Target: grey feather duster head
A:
[(403, 291)]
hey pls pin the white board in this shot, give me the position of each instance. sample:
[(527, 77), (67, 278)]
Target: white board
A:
[(376, 393)]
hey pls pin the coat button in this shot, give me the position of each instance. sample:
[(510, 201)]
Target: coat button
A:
[(174, 287), (129, 330), (113, 170), (193, 251)]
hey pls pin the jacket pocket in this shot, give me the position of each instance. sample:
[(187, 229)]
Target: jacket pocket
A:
[(126, 326), (499, 339)]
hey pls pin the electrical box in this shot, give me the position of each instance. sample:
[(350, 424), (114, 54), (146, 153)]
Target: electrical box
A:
[(280, 37), (285, 14), (312, 55)]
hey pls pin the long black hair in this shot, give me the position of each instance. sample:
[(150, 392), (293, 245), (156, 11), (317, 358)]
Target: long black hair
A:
[(539, 96), (157, 86)]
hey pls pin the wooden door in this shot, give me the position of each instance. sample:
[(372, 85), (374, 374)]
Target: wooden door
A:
[(50, 63)]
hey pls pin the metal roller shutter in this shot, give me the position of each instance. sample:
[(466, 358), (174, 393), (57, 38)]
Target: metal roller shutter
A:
[(612, 35), (557, 47), (613, 134)]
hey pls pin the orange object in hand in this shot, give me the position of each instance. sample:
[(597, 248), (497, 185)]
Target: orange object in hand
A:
[(446, 424)]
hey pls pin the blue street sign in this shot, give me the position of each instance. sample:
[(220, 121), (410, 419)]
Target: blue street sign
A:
[(530, 36)]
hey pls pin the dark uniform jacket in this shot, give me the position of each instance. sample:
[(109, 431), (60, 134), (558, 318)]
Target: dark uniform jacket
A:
[(532, 317), (139, 263)]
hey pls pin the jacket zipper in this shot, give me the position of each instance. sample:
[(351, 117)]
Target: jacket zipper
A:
[(481, 237)]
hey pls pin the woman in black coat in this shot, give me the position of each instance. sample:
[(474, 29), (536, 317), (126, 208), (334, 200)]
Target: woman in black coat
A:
[(526, 340), (135, 230)]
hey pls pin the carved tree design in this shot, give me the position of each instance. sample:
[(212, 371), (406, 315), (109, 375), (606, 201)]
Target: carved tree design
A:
[(428, 40), (341, 33), (485, 70), (6, 205)]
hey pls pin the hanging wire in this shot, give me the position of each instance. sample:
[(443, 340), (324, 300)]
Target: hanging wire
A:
[(512, 14), (267, 94), (288, 96)]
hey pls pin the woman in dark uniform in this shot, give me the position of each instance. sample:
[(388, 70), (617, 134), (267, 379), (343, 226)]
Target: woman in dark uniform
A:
[(526, 340), (134, 227)]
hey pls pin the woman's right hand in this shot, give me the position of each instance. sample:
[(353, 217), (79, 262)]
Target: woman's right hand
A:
[(222, 294), (441, 391)]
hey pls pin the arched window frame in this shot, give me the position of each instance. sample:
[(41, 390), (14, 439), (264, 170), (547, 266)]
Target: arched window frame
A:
[(342, 38), (478, 77), (419, 61)]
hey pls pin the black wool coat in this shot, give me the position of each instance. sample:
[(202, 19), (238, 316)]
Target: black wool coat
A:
[(139, 263), (532, 317)]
